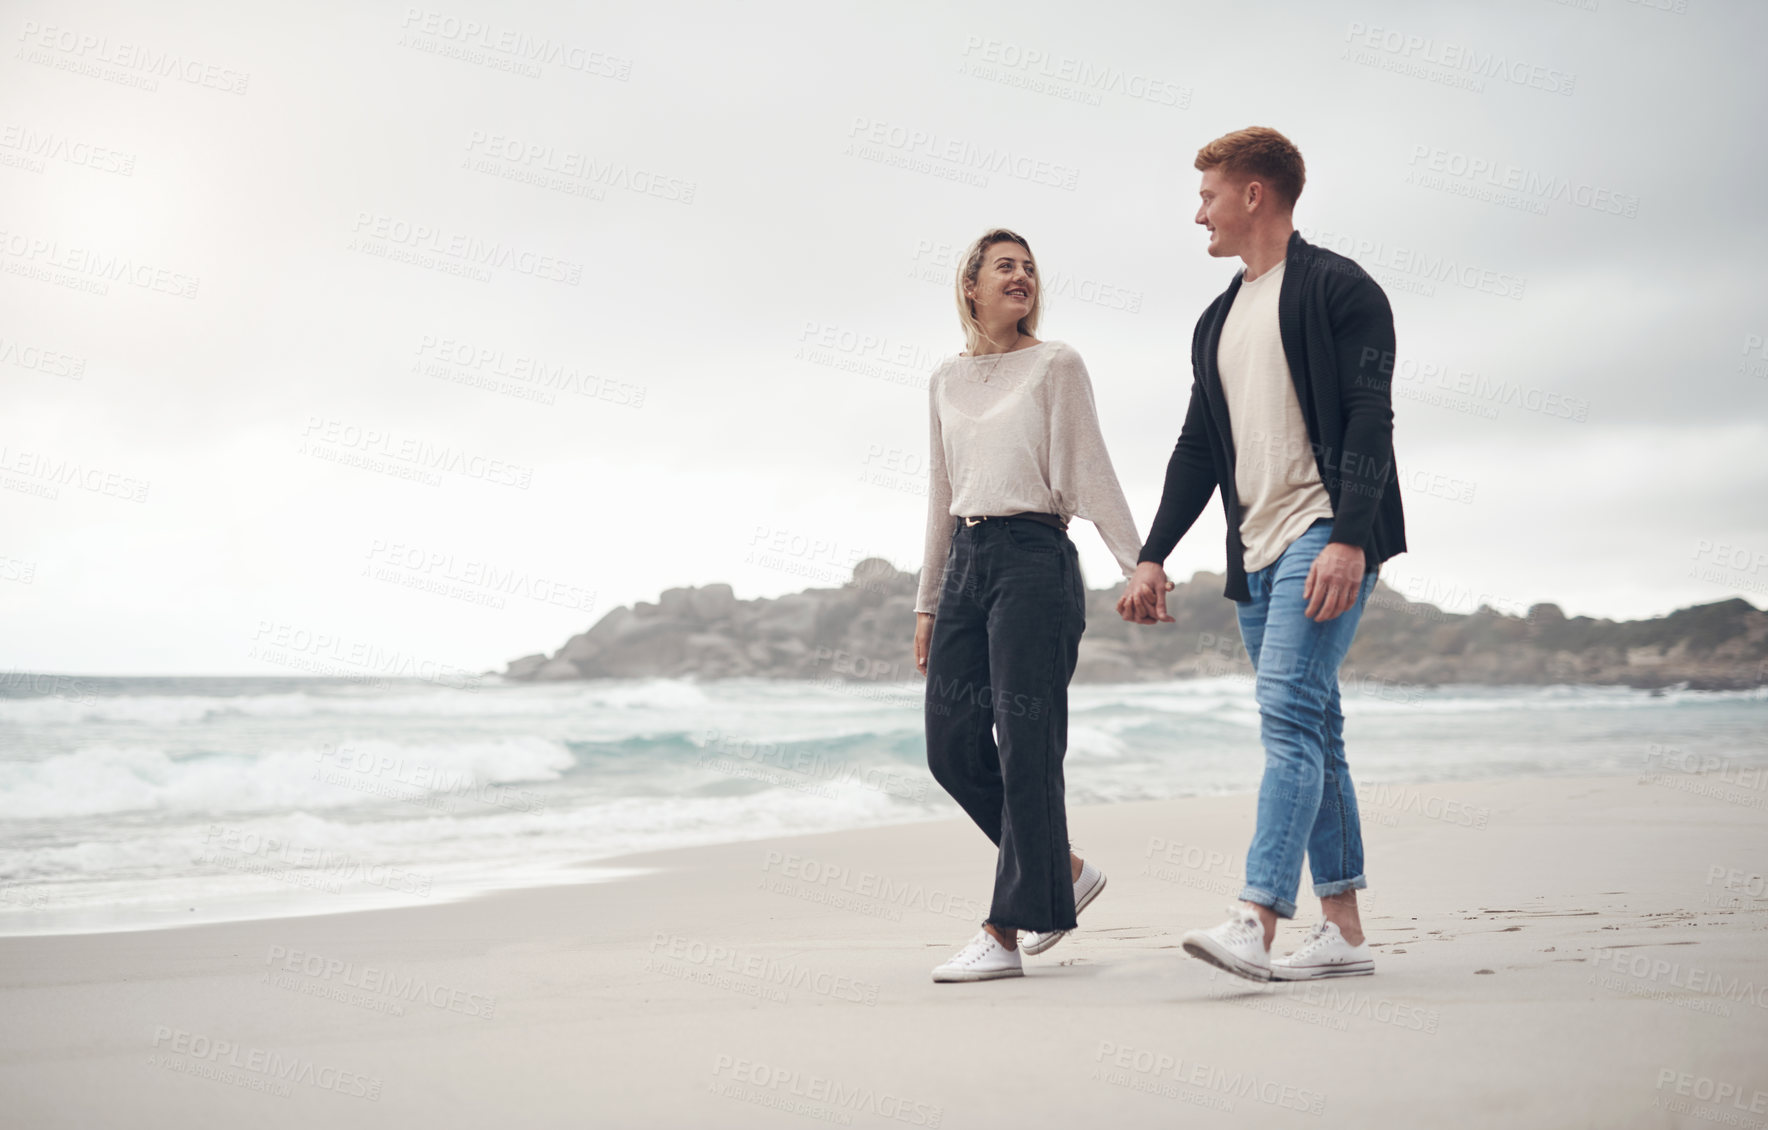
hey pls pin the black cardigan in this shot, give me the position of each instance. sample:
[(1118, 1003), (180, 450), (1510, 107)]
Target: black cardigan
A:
[(1338, 337)]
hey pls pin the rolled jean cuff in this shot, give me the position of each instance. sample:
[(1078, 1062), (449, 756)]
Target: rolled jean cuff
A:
[(1283, 908), (1340, 886)]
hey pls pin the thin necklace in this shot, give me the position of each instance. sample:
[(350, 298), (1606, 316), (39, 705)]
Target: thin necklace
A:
[(1016, 336)]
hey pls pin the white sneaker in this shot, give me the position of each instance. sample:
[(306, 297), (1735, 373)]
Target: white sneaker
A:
[(1086, 889), (1237, 945), (1324, 953), (983, 959)]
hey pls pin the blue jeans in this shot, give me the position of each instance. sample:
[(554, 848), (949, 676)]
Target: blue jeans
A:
[(1306, 802)]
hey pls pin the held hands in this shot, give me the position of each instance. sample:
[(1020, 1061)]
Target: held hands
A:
[(1333, 581), (1144, 597)]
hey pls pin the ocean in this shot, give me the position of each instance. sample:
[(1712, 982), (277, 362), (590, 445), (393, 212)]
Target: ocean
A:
[(135, 803)]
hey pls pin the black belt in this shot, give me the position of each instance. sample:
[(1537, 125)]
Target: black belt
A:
[(1056, 520)]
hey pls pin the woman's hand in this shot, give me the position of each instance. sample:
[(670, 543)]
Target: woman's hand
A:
[(1144, 597), (923, 640)]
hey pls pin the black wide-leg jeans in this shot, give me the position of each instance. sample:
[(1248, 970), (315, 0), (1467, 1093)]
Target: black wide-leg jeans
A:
[(1005, 638)]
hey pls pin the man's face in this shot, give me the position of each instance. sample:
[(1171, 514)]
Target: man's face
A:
[(1224, 210)]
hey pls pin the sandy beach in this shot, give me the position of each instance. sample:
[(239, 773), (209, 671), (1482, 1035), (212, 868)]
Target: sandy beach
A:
[(1551, 952)]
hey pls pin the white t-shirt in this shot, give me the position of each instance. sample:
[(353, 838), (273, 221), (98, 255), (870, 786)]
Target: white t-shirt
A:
[(1274, 470), (1017, 432)]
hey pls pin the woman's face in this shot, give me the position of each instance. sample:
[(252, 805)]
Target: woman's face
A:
[(1006, 285)]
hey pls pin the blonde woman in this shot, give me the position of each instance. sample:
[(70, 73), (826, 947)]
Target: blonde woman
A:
[(1015, 453)]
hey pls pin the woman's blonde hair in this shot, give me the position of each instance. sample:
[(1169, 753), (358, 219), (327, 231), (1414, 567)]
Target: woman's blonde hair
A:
[(970, 266)]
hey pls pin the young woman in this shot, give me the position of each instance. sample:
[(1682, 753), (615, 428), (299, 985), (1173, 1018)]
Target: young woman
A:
[(1016, 452)]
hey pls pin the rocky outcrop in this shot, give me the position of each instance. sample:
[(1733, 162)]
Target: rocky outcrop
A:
[(865, 629)]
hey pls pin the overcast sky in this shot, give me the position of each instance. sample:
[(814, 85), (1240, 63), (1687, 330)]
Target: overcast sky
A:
[(447, 329)]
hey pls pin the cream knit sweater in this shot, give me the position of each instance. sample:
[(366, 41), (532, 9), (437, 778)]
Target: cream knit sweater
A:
[(1018, 431)]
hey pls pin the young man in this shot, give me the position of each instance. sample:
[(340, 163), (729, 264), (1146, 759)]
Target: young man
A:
[(1291, 418)]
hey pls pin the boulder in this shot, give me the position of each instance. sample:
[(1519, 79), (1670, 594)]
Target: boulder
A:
[(556, 669), (655, 647), (862, 630), (793, 615), (713, 602), (609, 627), (715, 656), (580, 647), (876, 579), (1103, 662)]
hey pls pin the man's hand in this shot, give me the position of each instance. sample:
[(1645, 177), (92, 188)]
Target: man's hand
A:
[(1333, 582), (1144, 597), (923, 640)]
